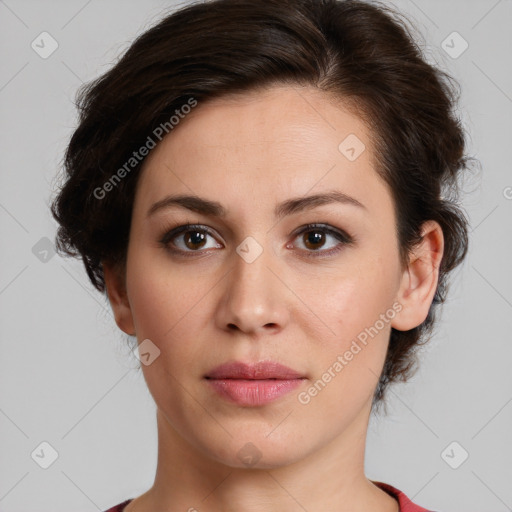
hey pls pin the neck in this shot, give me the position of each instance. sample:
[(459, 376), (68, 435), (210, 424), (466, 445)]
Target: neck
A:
[(331, 478)]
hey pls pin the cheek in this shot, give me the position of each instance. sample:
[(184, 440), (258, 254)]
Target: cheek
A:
[(166, 307), (358, 294), (358, 308), (347, 367), (170, 306), (164, 295)]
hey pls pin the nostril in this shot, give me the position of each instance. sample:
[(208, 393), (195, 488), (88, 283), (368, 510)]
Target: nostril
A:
[(234, 327)]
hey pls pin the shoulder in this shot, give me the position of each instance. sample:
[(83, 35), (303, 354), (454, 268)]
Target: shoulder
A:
[(120, 507), (406, 505)]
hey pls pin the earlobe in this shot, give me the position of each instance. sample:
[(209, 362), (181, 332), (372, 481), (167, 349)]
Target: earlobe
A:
[(118, 298), (420, 278)]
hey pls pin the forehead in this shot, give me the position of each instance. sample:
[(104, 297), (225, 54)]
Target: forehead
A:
[(294, 119), (279, 142)]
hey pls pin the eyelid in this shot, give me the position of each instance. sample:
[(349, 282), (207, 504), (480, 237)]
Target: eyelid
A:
[(344, 240), (342, 236), (171, 233)]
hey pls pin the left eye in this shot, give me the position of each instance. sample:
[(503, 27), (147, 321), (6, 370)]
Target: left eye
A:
[(313, 238)]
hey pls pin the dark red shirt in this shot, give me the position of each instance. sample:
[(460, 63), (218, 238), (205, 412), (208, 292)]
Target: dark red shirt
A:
[(406, 505)]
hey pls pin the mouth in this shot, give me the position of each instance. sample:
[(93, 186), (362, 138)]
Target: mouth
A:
[(262, 370), (253, 384)]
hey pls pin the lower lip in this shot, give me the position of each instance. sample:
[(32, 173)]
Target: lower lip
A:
[(253, 392)]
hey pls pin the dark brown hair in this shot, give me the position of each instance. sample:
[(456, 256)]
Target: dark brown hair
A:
[(362, 53)]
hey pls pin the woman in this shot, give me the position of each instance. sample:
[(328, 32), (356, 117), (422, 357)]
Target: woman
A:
[(258, 186)]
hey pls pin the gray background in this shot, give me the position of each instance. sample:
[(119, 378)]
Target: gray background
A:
[(67, 375)]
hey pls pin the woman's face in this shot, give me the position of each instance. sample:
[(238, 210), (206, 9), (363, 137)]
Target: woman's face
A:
[(250, 285)]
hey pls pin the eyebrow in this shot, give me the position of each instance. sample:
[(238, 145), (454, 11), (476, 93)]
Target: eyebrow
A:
[(290, 206)]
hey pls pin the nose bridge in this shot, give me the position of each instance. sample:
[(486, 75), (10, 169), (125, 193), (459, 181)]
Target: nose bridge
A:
[(251, 280), (253, 296)]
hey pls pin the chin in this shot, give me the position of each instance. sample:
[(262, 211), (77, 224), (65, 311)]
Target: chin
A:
[(260, 453)]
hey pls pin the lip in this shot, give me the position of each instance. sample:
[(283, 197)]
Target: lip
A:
[(253, 371), (253, 384)]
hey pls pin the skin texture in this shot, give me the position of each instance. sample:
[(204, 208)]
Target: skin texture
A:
[(250, 153)]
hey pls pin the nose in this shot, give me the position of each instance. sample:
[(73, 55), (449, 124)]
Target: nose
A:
[(254, 300)]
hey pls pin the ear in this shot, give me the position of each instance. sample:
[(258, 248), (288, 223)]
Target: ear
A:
[(115, 283), (419, 280)]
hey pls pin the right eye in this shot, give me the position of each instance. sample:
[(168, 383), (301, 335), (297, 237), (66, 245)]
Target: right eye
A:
[(187, 239)]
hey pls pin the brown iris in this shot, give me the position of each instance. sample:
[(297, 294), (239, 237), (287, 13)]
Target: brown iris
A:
[(194, 239), (313, 237)]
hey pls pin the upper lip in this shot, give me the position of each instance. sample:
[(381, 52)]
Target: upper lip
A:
[(253, 371)]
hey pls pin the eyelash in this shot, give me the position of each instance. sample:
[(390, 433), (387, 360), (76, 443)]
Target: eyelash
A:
[(344, 238)]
